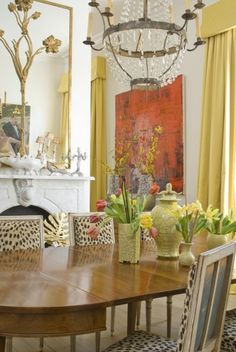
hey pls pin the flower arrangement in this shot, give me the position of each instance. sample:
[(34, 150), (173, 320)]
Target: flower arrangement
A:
[(147, 150), (125, 209), (218, 223), (190, 220)]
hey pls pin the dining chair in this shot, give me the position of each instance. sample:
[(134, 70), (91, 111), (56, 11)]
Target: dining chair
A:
[(21, 232), (204, 309), (79, 224)]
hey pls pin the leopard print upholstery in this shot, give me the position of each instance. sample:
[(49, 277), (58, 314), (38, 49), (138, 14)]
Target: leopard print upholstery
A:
[(228, 343), (79, 225), (20, 233), (144, 342), (187, 303)]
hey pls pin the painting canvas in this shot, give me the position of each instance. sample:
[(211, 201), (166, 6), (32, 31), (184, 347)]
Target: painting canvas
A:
[(149, 134), (10, 128)]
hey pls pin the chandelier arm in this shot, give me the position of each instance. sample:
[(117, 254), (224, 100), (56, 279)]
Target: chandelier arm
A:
[(194, 48), (103, 21), (97, 49), (181, 28), (173, 62), (117, 61)]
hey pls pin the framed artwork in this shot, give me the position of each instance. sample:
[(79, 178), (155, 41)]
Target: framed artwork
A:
[(10, 122), (149, 134)]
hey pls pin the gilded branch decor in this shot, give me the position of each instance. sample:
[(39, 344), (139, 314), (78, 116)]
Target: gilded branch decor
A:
[(21, 10)]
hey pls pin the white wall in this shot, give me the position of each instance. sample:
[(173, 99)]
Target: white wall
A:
[(192, 70)]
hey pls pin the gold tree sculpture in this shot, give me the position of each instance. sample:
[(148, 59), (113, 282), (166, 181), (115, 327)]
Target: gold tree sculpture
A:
[(20, 9)]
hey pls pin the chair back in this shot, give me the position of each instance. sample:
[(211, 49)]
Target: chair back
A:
[(206, 300), (80, 223), (21, 232)]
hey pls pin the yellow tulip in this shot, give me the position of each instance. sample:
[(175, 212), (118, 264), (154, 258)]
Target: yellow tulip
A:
[(146, 221)]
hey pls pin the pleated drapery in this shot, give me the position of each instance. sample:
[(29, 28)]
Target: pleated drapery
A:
[(216, 182), (98, 131), (64, 121)]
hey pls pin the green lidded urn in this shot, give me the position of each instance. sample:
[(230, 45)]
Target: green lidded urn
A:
[(168, 239)]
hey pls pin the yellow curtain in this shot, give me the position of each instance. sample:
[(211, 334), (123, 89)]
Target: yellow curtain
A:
[(216, 182), (64, 122), (98, 131)]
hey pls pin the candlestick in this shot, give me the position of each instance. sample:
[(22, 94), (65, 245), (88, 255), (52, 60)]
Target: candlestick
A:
[(187, 4), (90, 25)]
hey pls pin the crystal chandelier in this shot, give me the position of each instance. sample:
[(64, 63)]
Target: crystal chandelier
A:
[(146, 47)]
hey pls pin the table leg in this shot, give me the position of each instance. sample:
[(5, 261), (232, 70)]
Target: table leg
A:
[(169, 315), (132, 310), (2, 343)]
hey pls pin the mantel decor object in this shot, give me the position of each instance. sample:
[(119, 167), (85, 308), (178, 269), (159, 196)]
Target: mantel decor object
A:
[(168, 239), (21, 11)]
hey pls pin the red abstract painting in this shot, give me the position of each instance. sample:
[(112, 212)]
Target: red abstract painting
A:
[(149, 133)]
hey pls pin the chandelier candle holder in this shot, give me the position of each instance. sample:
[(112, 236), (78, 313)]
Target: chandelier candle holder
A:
[(146, 47)]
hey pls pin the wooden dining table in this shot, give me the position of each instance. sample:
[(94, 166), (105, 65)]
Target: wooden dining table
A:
[(65, 291)]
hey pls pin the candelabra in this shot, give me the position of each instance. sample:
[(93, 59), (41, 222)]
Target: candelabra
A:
[(78, 156)]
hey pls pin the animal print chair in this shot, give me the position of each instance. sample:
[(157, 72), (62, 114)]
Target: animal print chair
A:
[(228, 343), (79, 224), (204, 309), (21, 232)]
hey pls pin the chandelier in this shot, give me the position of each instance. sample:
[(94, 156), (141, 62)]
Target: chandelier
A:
[(146, 47)]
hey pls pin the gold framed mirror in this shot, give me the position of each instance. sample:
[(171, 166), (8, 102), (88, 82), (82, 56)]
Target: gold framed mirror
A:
[(48, 88)]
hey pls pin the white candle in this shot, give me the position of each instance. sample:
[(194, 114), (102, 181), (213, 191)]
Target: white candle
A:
[(109, 3), (187, 4), (171, 16), (90, 25), (197, 24)]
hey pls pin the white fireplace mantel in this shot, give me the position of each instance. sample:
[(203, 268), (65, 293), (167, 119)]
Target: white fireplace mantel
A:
[(51, 193)]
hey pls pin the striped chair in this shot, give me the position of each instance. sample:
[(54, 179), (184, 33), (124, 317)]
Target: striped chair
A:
[(204, 309)]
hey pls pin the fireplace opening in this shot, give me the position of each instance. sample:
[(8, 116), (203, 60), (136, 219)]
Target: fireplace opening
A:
[(20, 210)]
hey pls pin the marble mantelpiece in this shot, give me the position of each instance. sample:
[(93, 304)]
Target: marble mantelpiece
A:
[(54, 194)]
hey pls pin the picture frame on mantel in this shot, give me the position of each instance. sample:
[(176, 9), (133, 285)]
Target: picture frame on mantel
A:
[(138, 114), (10, 128)]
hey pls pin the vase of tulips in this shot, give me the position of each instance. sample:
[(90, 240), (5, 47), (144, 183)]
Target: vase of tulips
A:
[(191, 220), (127, 211), (219, 227)]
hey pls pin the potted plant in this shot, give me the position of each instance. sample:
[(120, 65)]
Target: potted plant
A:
[(191, 220), (219, 226)]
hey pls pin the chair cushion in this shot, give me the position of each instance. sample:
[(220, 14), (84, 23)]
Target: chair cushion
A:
[(143, 342), (229, 333)]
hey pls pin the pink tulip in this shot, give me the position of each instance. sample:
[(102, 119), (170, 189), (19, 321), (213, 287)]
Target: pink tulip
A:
[(93, 232), (94, 219), (154, 189), (101, 204), (118, 192), (153, 232)]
